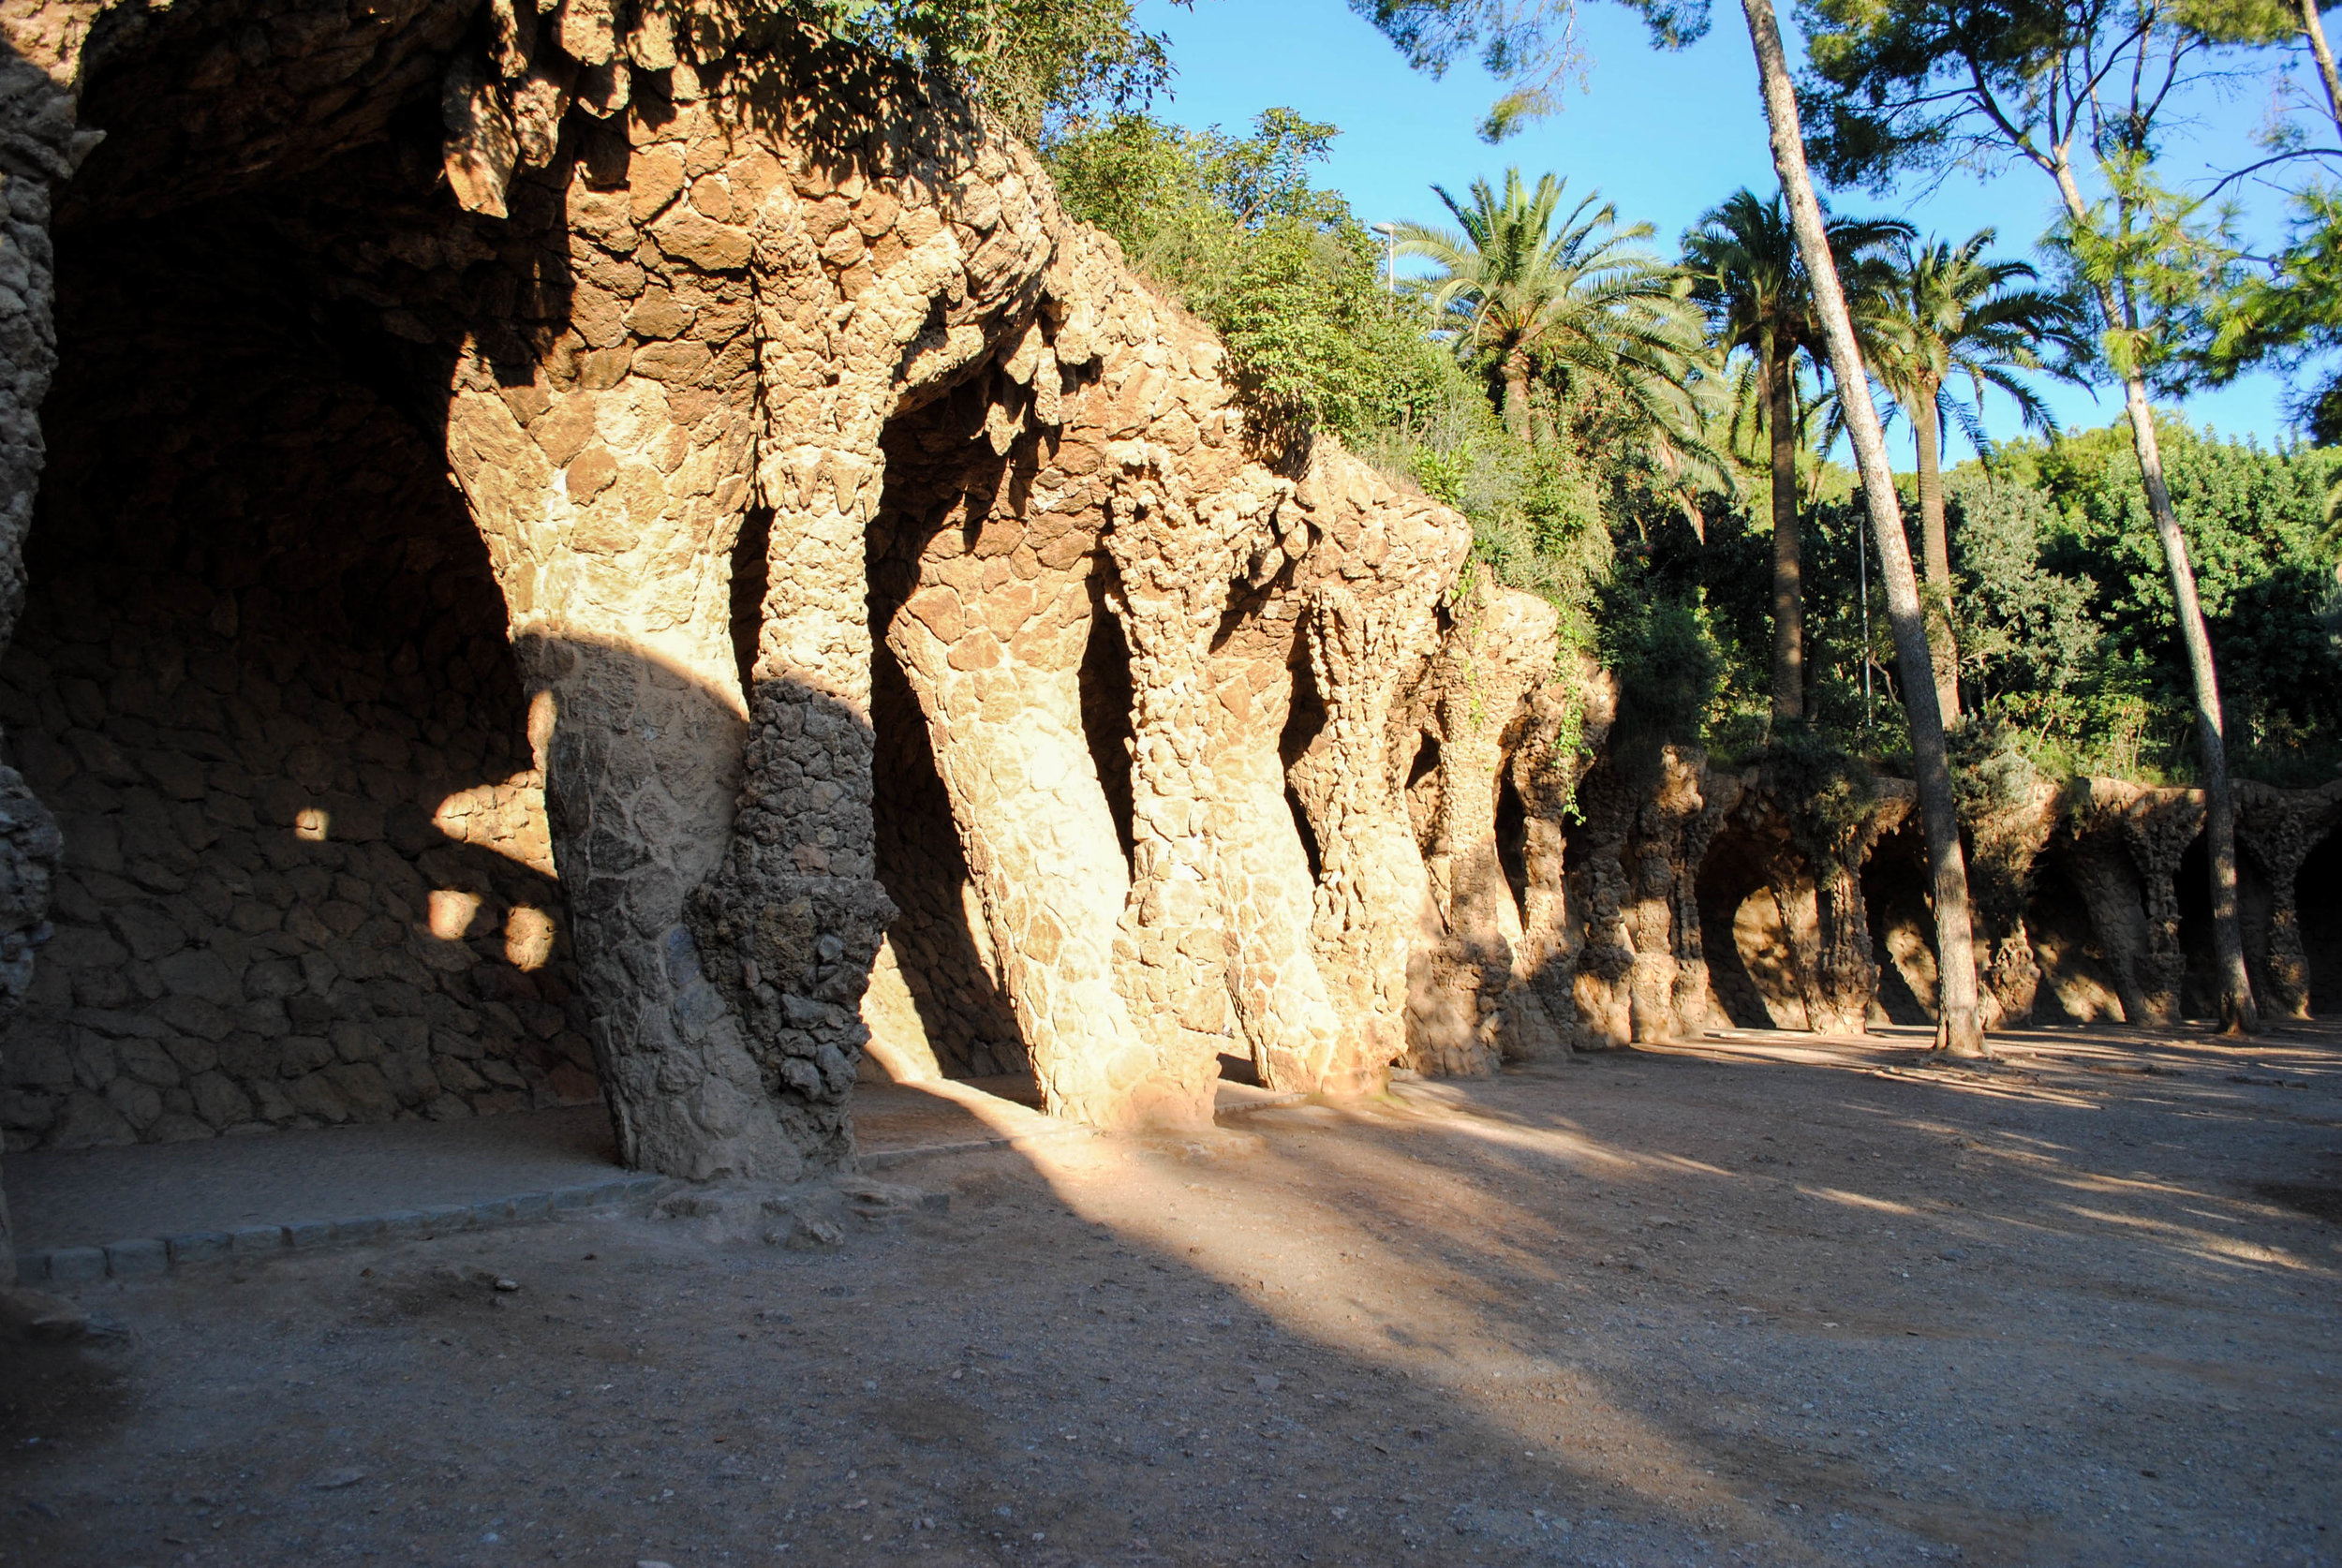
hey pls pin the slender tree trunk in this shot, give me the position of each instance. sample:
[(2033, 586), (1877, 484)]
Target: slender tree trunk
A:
[(1959, 1025), (1789, 570), (2238, 1013), (2315, 32), (2237, 1009), (1926, 413)]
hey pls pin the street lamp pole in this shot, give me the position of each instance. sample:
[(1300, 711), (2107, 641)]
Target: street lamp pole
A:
[(1389, 231)]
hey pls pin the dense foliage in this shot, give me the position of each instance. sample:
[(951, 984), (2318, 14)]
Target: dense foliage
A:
[(1661, 562), (2062, 608), (1030, 62), (1321, 336)]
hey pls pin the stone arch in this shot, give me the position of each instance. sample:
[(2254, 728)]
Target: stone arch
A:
[(1895, 883), (1750, 973), (262, 670), (2322, 926), (2084, 970)]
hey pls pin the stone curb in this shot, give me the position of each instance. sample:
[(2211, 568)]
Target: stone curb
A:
[(152, 1255)]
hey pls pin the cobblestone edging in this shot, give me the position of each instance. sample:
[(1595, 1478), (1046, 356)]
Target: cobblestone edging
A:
[(151, 1255)]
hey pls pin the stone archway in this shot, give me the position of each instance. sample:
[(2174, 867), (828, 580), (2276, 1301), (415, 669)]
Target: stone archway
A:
[(261, 674)]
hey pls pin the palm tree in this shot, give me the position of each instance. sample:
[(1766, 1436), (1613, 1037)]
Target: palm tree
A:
[(1573, 300), (1950, 314), (1749, 278)]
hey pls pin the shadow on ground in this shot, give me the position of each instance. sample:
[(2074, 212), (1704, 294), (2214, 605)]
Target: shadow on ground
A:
[(1757, 1298)]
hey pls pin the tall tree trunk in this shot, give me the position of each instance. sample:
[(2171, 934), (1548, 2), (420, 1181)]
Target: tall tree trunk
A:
[(2237, 1009), (1517, 395), (1788, 573), (2315, 32), (1927, 423), (1959, 1025), (2238, 1012)]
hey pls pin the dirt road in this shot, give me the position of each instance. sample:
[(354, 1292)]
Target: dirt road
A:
[(1760, 1300)]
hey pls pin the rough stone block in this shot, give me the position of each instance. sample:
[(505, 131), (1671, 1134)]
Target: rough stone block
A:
[(192, 1015), (126, 1260), (195, 1247), (148, 932), (441, 1218), (218, 1101), (406, 1223), (75, 1265), (532, 1206), (148, 1062), (202, 975), (309, 1233), (31, 1269), (247, 1241), (138, 1103), (363, 1227)]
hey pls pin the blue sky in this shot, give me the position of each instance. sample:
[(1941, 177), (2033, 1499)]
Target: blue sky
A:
[(1664, 135)]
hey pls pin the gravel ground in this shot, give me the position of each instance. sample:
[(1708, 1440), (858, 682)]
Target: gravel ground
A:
[(1763, 1299)]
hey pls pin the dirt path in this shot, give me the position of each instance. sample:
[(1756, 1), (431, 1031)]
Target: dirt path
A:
[(1763, 1300)]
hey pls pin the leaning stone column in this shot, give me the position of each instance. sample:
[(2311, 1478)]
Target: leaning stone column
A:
[(608, 472), (1499, 646), (1718, 792), (1569, 717), (998, 677), (1608, 802), (2278, 828), (875, 285), (1261, 874), (1372, 903), (1828, 813), (2008, 841), (1845, 970), (2102, 873), (2157, 827), (1175, 558), (2138, 921), (1673, 803)]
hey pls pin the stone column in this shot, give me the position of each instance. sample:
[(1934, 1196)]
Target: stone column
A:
[(2108, 885), (609, 471), (40, 145), (2278, 828), (2008, 842), (1671, 803), (1845, 972), (1261, 876), (1606, 955), (1472, 1013), (1175, 558), (2135, 904), (1569, 717), (1815, 820), (1718, 794), (2157, 827), (1372, 902), (876, 287), (997, 675)]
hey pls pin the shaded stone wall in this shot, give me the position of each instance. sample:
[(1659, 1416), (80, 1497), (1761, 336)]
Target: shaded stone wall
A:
[(261, 677), (2096, 909)]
